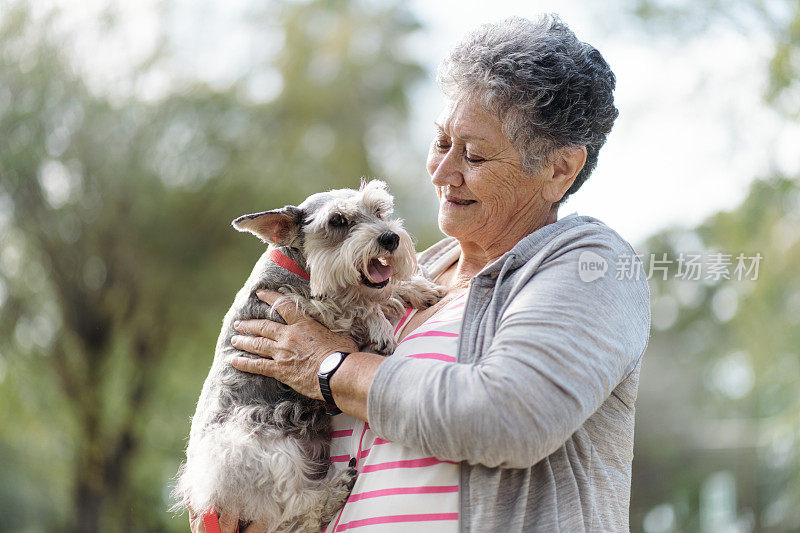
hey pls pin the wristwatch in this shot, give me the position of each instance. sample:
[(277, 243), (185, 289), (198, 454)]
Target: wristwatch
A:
[(326, 370)]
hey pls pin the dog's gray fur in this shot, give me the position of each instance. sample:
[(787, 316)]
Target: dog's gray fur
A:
[(258, 449)]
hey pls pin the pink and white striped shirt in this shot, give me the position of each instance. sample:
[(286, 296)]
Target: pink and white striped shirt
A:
[(398, 488)]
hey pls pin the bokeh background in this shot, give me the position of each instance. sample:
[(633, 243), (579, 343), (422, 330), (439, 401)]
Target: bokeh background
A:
[(132, 133)]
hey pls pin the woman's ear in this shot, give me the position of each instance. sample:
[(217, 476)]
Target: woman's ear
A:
[(566, 162)]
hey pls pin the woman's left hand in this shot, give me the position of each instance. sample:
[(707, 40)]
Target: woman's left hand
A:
[(291, 352)]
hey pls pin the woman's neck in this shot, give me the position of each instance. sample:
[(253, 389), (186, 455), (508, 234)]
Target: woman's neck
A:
[(474, 256)]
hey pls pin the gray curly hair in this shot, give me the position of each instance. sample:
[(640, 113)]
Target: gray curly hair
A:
[(549, 89)]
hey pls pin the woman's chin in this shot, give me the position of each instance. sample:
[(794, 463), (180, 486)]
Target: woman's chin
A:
[(454, 227)]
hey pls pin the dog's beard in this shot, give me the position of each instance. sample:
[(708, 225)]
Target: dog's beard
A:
[(360, 258)]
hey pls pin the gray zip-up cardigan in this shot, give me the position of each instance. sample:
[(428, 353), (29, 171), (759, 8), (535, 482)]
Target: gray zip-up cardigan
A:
[(539, 406)]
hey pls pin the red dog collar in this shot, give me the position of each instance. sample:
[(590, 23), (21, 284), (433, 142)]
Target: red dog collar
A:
[(282, 260)]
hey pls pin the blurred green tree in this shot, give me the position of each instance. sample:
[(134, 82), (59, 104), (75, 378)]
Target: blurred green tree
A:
[(117, 258), (720, 392), (718, 445)]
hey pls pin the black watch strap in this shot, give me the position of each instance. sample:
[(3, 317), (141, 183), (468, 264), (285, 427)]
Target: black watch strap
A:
[(327, 369)]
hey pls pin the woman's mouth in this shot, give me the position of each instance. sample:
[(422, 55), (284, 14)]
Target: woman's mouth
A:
[(459, 201)]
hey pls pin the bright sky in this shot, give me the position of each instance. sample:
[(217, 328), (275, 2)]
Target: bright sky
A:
[(692, 133)]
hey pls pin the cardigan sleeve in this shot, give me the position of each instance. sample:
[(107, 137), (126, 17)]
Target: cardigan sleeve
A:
[(561, 346)]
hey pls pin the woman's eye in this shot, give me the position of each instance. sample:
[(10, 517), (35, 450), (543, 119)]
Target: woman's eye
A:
[(337, 221), (442, 146), (474, 159)]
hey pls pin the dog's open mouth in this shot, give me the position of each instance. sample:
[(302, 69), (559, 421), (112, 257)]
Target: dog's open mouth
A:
[(377, 274)]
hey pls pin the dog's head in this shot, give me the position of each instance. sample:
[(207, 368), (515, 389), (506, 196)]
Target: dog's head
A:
[(346, 236)]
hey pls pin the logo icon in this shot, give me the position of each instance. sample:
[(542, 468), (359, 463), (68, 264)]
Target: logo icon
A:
[(591, 266)]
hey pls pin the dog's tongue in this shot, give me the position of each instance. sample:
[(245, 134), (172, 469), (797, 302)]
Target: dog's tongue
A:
[(378, 273)]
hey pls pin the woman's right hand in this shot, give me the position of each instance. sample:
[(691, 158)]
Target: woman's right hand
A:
[(227, 524), (195, 522)]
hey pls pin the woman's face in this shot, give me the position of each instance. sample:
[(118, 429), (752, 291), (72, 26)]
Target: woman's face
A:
[(484, 195)]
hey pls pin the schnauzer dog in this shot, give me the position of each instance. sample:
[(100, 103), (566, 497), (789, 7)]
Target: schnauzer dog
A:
[(257, 448)]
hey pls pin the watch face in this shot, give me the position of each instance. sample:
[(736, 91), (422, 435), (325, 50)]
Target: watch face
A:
[(330, 362)]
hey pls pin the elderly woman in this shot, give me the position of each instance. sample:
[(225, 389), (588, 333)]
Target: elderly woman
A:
[(509, 405)]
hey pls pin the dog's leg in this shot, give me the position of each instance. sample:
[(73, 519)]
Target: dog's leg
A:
[(309, 504), (380, 334), (340, 488), (419, 292), (321, 504)]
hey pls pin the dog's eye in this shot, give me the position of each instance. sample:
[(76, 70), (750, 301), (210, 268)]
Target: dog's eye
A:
[(379, 214), (337, 221)]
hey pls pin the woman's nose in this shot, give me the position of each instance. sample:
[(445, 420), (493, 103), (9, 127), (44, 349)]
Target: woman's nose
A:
[(444, 170)]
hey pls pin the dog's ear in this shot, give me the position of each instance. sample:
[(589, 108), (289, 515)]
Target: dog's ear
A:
[(373, 184), (279, 226)]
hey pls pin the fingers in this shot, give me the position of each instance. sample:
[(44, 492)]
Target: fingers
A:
[(262, 328), (265, 367), (228, 523), (255, 345), (284, 307), (196, 523)]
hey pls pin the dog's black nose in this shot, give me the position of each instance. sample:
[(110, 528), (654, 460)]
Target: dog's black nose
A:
[(389, 240)]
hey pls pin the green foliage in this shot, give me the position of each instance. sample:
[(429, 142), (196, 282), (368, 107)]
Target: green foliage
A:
[(719, 386), (785, 67), (118, 259), (720, 380)]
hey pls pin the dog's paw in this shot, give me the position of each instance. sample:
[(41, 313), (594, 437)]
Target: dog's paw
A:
[(421, 293), (383, 346), (338, 491), (433, 295), (348, 478)]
